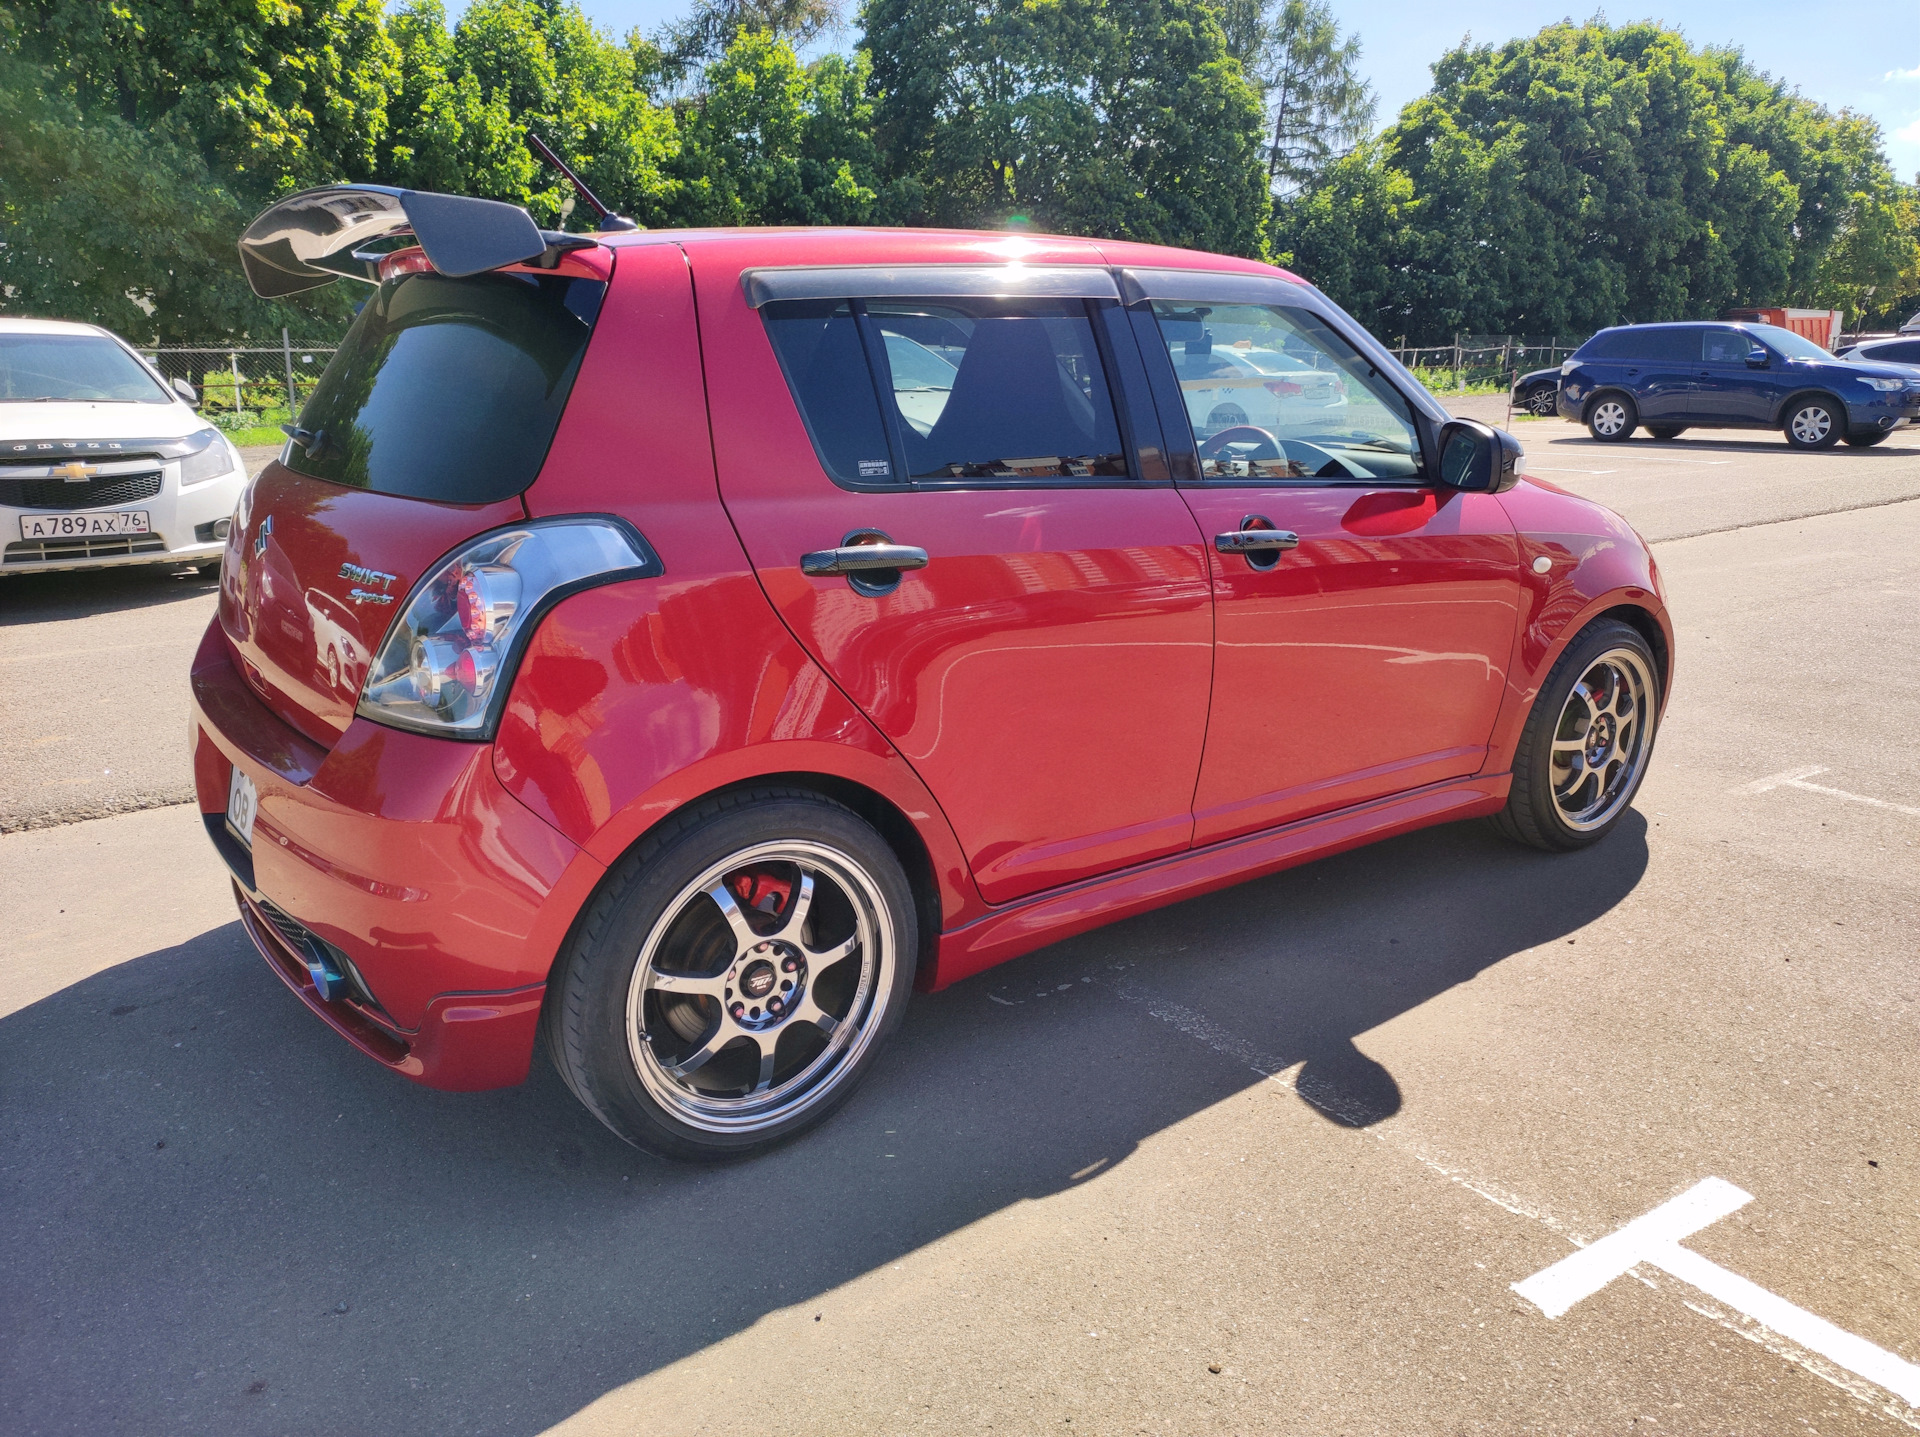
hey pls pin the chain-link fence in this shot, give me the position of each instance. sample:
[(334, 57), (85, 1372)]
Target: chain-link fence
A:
[(1478, 361), (243, 386)]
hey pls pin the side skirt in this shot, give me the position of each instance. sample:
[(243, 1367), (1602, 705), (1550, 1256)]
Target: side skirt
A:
[(1062, 912)]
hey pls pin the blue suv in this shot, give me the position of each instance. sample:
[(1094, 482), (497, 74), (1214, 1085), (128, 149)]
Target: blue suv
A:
[(1674, 377)]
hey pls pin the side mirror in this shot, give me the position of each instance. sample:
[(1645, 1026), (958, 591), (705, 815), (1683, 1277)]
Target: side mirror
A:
[(185, 390), (1757, 358), (1476, 458)]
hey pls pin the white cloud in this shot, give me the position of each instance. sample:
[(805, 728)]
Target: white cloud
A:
[(1913, 74)]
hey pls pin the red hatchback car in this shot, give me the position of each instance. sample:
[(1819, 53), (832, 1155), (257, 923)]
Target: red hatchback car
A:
[(684, 643)]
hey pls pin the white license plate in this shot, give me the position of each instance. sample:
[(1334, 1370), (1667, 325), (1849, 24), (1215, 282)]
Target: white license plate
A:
[(84, 526), (243, 806)]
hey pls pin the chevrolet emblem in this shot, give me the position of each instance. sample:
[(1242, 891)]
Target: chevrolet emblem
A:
[(74, 472)]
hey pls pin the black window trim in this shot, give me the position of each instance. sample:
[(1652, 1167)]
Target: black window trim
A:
[(927, 281)]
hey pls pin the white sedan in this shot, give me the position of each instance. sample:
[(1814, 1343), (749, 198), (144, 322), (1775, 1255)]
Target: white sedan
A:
[(101, 462)]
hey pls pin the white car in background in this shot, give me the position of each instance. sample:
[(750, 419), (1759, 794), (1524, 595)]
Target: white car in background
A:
[(1230, 385), (101, 462)]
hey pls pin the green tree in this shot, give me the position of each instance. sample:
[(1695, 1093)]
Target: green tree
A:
[(1317, 104), (1106, 117), (707, 30)]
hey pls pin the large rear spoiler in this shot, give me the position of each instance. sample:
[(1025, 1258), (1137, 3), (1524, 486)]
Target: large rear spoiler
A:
[(317, 236)]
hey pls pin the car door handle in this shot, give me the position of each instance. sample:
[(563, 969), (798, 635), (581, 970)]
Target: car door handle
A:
[(861, 558), (1248, 541)]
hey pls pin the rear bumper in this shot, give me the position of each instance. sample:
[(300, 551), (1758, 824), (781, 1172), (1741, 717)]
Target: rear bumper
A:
[(446, 897)]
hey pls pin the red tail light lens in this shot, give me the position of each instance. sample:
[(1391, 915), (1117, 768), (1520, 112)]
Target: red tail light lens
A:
[(445, 662)]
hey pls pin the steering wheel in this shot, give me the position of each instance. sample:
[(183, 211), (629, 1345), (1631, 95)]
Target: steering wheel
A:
[(1267, 446)]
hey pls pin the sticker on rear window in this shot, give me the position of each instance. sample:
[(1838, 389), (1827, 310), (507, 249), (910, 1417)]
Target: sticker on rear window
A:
[(875, 469)]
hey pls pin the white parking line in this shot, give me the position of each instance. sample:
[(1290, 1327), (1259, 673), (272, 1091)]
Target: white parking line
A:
[(1544, 469), (1654, 1239), (1797, 778)]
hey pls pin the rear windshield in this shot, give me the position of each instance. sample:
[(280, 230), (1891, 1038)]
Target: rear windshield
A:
[(449, 389)]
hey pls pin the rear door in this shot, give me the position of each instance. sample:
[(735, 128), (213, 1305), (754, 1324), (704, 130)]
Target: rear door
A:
[(1046, 672), (1662, 374), (1370, 656)]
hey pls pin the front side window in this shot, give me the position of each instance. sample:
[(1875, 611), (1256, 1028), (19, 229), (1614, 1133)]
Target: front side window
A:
[(1724, 346), (1274, 393), (86, 368)]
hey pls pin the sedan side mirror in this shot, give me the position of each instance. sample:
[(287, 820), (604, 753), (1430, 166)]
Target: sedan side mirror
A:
[(1476, 458), (1757, 358), (185, 390)]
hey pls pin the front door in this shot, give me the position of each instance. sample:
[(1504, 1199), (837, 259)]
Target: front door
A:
[(1726, 389), (1046, 673), (1369, 657)]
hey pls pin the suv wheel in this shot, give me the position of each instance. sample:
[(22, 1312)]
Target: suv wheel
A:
[(733, 981), (1667, 431), (1612, 418), (1866, 438), (1814, 424), (1585, 748)]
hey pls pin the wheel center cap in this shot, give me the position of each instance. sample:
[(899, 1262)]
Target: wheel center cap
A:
[(758, 980), (1602, 737)]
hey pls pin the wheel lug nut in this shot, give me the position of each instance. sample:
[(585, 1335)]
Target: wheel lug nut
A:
[(788, 965), (739, 1010)]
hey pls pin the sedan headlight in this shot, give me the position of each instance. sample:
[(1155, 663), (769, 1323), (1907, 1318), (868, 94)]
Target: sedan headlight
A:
[(444, 667), (1885, 386), (213, 456), (1566, 366)]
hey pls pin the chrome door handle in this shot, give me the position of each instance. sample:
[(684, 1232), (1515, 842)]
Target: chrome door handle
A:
[(1248, 541), (860, 558)]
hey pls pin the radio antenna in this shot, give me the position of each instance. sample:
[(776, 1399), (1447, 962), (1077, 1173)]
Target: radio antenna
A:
[(610, 222)]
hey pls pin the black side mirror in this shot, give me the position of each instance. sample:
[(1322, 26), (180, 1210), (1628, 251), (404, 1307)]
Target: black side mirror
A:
[(1757, 358), (1476, 458), (185, 390)]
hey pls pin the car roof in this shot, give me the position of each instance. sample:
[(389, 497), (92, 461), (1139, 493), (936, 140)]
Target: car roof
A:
[(822, 245)]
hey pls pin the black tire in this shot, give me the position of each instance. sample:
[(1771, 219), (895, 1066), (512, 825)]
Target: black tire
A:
[(1543, 808), (628, 1033), (1543, 400), (1866, 438), (1612, 417), (1813, 422), (1667, 431)]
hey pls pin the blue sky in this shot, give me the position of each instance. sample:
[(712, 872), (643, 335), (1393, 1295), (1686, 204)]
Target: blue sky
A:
[(1827, 50)]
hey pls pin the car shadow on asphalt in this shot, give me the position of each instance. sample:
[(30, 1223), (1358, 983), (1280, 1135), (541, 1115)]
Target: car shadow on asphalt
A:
[(28, 598), (219, 1218), (1774, 444)]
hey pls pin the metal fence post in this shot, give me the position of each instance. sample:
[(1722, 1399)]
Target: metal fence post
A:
[(233, 359), (293, 399)]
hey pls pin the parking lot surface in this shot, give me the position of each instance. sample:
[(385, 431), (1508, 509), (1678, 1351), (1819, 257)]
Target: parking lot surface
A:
[(1271, 1161)]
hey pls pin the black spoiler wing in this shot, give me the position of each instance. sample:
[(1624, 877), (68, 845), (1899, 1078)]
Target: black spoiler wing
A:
[(311, 238)]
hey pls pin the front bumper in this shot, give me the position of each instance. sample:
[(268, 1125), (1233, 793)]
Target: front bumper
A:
[(446, 897), (182, 530), (1884, 411)]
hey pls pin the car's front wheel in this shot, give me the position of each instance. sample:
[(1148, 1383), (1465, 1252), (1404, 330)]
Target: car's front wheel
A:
[(1866, 438), (1585, 747), (1543, 400), (1814, 424), (735, 977), (1612, 417)]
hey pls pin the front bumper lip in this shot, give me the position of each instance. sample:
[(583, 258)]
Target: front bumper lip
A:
[(174, 514)]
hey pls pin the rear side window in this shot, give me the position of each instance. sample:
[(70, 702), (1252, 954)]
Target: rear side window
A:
[(1907, 352), (450, 389), (950, 389), (1613, 344)]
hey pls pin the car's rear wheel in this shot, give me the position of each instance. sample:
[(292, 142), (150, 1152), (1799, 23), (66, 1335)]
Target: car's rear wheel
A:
[(1585, 747), (1612, 417), (1543, 399), (1866, 438), (1667, 431), (735, 977), (1814, 424)]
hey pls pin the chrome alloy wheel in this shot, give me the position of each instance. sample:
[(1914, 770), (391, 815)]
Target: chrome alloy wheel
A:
[(1811, 424), (1609, 417), (1544, 401), (761, 985), (1601, 742)]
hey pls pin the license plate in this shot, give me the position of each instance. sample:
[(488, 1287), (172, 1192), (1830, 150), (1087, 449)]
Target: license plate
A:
[(84, 526), (243, 806)]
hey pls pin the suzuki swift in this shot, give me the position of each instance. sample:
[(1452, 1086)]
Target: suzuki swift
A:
[(681, 644)]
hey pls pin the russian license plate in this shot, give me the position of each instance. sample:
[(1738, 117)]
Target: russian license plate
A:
[(243, 806), (84, 526)]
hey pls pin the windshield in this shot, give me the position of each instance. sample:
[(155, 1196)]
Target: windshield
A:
[(449, 389), (46, 368), (1785, 341)]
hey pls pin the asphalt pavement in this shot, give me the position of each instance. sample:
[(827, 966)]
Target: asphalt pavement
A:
[(1271, 1161)]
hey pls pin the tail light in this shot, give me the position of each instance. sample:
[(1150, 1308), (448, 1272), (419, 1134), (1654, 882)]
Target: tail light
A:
[(1283, 388), (446, 663)]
